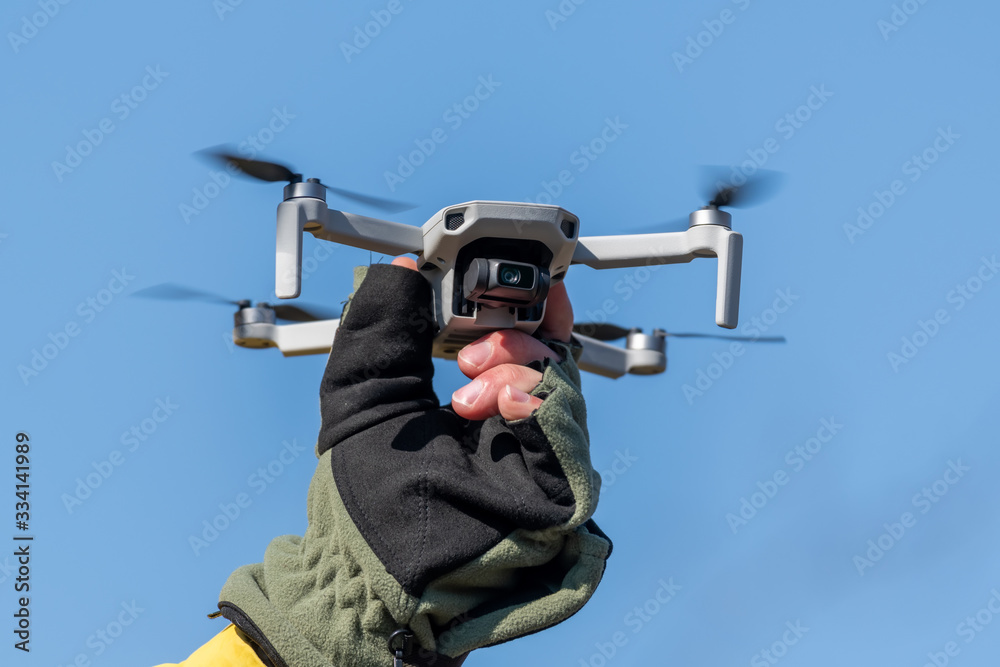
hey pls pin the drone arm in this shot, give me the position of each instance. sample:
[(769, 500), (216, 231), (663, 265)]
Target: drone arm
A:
[(383, 236), (317, 338), (618, 252), (614, 252), (601, 358), (292, 340), (612, 361), (299, 214)]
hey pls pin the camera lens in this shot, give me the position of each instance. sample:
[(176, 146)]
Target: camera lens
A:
[(510, 275)]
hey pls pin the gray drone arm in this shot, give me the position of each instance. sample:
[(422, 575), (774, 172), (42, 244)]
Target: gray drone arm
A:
[(317, 338), (293, 340), (700, 240), (612, 361), (309, 212)]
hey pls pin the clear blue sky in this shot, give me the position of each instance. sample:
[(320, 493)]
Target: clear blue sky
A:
[(902, 125)]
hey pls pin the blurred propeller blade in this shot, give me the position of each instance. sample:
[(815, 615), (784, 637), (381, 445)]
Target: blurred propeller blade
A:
[(289, 312), (271, 172), (721, 191), (605, 331), (600, 330), (388, 205), (749, 339), (274, 172), (297, 314), (174, 292)]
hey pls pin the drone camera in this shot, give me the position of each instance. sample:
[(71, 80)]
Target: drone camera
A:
[(499, 282)]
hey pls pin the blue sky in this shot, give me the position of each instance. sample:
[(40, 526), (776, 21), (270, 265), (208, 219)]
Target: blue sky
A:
[(877, 260)]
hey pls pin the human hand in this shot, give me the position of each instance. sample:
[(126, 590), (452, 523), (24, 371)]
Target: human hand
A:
[(497, 362), (449, 501)]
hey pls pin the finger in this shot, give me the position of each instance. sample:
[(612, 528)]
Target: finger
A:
[(515, 404), (480, 398), (558, 321), (408, 262), (508, 346)]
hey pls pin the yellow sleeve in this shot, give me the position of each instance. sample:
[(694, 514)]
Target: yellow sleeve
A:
[(225, 649)]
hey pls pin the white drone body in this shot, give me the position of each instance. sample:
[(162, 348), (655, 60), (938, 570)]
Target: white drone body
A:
[(486, 241)]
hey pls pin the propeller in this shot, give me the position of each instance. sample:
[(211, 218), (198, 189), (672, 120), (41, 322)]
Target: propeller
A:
[(721, 192), (753, 190), (288, 312), (600, 330), (274, 172), (605, 331)]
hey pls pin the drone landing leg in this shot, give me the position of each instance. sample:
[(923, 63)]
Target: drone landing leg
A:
[(292, 220)]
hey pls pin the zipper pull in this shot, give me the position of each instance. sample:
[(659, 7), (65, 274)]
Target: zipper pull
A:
[(399, 645)]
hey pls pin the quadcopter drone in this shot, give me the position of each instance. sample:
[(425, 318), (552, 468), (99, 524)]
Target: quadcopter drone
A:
[(490, 265)]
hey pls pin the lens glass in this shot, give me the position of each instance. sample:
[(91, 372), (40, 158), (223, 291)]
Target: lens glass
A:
[(509, 275), (512, 275)]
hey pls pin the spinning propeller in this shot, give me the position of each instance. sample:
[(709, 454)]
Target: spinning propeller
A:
[(720, 191), (604, 331), (756, 189), (273, 172), (288, 312)]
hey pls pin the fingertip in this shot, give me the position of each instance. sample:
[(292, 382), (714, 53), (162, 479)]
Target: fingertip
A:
[(469, 394), (515, 404), (516, 395), (408, 262)]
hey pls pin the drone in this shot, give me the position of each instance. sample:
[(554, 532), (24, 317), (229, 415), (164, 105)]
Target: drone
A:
[(490, 265)]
